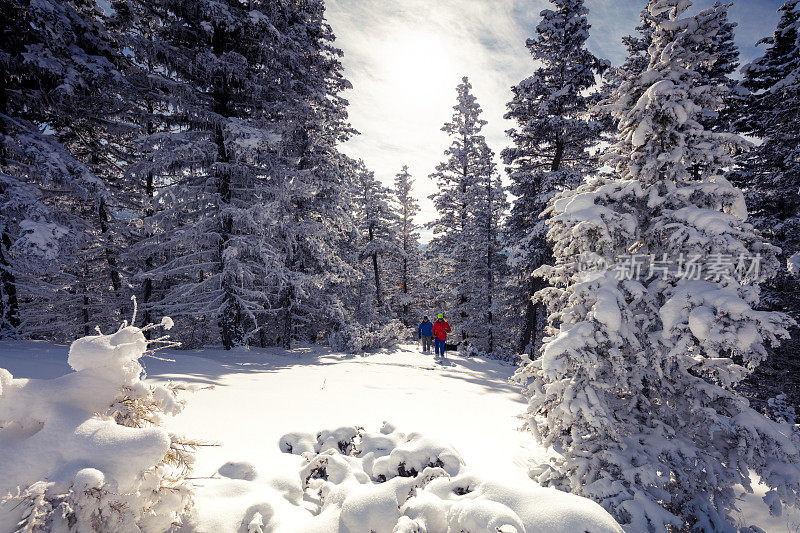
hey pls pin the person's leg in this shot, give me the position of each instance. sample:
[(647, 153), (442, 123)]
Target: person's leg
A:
[(437, 346), (428, 341)]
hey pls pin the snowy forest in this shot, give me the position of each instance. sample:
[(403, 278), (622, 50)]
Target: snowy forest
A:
[(629, 262)]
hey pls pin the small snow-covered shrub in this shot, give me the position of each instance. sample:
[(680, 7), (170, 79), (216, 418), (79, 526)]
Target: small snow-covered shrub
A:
[(392, 482), (85, 452), (362, 337), (497, 355)]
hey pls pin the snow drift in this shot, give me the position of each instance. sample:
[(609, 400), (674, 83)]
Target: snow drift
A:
[(354, 481), (84, 452)]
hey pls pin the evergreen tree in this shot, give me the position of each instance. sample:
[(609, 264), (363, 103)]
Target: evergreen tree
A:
[(433, 298), (407, 207), (552, 138), (377, 222), (212, 163), (721, 45), (485, 269), (769, 109), (60, 114), (724, 48), (468, 162), (244, 201), (636, 385), (311, 201)]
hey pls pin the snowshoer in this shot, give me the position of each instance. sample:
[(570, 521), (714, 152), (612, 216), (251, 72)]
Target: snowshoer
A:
[(440, 330), (425, 333)]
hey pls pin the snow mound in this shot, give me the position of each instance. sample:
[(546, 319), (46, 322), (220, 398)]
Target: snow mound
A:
[(353, 481), (793, 264), (84, 452)]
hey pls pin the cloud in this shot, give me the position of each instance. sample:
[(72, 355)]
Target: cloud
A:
[(405, 58)]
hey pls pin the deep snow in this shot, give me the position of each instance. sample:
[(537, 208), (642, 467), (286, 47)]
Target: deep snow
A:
[(249, 399)]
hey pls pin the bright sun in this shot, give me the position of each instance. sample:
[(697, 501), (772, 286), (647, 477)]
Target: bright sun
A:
[(419, 68)]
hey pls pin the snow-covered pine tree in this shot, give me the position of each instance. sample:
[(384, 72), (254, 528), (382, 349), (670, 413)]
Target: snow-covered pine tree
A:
[(433, 298), (379, 244), (163, 103), (211, 163), (311, 205), (244, 205), (769, 109), (407, 299), (635, 386), (468, 162), (723, 47), (550, 152), (486, 266), (60, 109)]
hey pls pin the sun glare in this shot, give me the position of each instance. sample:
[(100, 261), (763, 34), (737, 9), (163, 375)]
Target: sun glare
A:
[(419, 68)]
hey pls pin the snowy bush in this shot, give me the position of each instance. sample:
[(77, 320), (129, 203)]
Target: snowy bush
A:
[(85, 451), (793, 265), (392, 482), (499, 354), (363, 337)]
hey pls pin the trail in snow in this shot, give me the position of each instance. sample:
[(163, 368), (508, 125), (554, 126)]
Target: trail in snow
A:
[(469, 404)]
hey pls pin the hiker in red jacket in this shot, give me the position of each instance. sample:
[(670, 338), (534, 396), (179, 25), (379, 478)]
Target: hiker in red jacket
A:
[(440, 330)]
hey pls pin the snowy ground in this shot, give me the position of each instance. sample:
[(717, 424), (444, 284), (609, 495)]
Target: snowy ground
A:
[(256, 396)]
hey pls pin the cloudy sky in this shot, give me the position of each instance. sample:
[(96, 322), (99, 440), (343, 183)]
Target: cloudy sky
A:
[(405, 58)]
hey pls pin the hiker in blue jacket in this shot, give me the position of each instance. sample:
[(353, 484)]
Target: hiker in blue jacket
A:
[(425, 333)]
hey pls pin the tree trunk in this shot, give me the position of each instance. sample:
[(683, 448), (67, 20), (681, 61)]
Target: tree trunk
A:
[(558, 155), (534, 313), (149, 211), (285, 340), (111, 261), (405, 287), (87, 327), (376, 273), (462, 298), (147, 289), (532, 332), (231, 320), (9, 305), (489, 261)]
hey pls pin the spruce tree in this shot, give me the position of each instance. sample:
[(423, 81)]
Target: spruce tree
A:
[(636, 385), (311, 200), (408, 265), (379, 243), (769, 109), (62, 117), (209, 153), (244, 199), (468, 162), (485, 269), (550, 151)]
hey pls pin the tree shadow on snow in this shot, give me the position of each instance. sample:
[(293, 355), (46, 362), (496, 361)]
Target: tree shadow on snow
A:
[(486, 373), (208, 366)]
